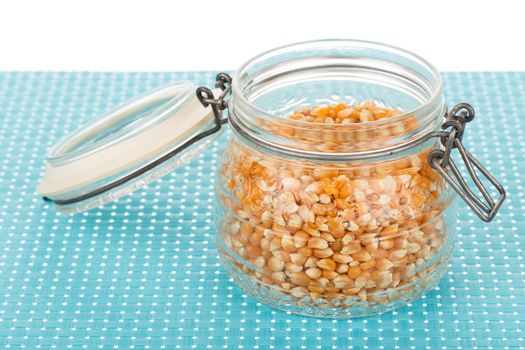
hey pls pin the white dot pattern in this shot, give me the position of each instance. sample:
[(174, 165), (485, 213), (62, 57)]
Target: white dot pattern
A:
[(143, 273)]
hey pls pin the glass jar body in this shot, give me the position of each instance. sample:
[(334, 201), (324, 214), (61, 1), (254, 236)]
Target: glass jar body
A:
[(339, 239)]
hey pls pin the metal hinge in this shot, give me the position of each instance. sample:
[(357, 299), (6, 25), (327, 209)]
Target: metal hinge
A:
[(485, 207), (223, 81)]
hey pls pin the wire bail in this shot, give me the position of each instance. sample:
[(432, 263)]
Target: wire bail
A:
[(223, 81), (439, 159)]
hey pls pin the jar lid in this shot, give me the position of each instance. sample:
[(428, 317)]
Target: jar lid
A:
[(128, 147)]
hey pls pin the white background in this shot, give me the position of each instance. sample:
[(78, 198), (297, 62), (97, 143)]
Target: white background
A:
[(102, 35)]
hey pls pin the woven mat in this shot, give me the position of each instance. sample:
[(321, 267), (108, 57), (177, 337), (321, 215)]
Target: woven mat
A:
[(143, 272)]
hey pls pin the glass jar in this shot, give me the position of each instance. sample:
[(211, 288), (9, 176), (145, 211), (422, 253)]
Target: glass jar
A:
[(334, 219), (336, 190)]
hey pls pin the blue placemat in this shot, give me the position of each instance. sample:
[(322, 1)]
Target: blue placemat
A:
[(143, 272)]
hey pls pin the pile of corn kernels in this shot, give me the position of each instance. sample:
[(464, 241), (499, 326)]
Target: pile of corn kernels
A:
[(342, 113), (342, 127), (326, 231)]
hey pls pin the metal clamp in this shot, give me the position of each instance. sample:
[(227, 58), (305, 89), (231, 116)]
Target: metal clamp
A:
[(440, 160), (223, 81)]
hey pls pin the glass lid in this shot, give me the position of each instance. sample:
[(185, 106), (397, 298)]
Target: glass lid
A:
[(127, 147)]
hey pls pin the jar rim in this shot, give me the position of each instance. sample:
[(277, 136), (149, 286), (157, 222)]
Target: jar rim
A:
[(397, 75), (437, 88)]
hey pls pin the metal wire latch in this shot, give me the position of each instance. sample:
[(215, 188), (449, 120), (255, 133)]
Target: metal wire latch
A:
[(440, 160), (223, 81)]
